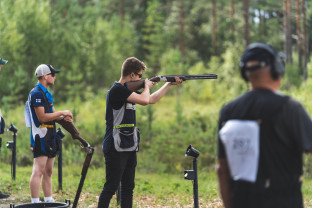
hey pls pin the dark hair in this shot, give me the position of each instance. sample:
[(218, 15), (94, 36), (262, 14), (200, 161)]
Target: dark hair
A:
[(130, 65)]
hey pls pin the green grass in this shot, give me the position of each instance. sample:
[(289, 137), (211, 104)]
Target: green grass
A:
[(152, 190)]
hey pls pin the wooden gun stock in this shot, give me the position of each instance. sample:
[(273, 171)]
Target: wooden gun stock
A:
[(136, 85), (71, 128)]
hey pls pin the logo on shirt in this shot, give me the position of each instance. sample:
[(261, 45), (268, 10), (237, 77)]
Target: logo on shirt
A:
[(130, 106), (38, 100)]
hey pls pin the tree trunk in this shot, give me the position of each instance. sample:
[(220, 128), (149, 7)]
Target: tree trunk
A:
[(246, 17), (52, 3), (298, 31), (287, 30), (232, 12), (304, 40), (122, 12), (214, 29), (181, 20), (261, 23)]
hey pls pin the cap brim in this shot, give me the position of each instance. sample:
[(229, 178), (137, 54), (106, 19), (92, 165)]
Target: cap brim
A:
[(56, 71)]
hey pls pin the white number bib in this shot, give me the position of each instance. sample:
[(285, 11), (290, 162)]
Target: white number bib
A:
[(241, 142)]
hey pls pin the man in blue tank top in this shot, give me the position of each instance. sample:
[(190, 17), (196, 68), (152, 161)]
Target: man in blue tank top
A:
[(40, 115)]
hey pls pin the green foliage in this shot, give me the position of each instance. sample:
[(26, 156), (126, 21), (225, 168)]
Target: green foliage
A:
[(154, 37), (89, 40), (226, 67), (188, 114), (23, 44), (172, 63)]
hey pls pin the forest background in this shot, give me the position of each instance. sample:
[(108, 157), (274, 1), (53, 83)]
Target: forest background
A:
[(89, 39)]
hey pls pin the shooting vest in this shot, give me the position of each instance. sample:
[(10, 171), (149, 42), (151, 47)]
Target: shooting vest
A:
[(125, 133), (43, 131)]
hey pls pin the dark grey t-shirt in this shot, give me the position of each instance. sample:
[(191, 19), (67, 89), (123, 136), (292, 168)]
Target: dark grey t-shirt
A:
[(285, 130)]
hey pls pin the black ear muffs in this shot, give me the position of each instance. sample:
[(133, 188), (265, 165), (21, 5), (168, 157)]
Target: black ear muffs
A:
[(277, 67)]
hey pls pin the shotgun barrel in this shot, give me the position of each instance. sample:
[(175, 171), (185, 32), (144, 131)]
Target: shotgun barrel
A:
[(136, 85), (171, 78)]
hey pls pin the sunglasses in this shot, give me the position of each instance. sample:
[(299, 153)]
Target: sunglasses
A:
[(140, 75), (52, 75)]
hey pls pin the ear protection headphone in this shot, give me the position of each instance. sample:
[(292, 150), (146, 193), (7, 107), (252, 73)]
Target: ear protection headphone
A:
[(277, 67)]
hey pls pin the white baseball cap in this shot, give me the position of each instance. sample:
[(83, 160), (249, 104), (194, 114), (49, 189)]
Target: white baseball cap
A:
[(45, 69)]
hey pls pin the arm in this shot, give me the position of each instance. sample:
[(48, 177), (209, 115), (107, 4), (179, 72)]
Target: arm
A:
[(156, 96), (224, 177), (45, 117), (144, 97), (68, 118)]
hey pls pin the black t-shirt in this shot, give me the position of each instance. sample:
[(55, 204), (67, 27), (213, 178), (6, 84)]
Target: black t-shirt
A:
[(285, 131), (118, 95), (116, 98)]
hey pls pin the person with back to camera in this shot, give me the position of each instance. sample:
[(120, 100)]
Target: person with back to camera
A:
[(122, 137), (262, 137), (2, 125), (40, 115)]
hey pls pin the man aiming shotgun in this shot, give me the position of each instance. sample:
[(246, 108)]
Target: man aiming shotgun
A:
[(122, 137)]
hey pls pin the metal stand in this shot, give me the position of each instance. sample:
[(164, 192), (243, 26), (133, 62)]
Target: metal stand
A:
[(192, 174), (12, 145)]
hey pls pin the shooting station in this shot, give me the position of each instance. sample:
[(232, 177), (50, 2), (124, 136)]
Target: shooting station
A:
[(12, 146), (89, 150), (192, 174)]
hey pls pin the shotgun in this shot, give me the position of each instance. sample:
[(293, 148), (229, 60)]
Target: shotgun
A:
[(71, 128), (86, 164), (139, 84)]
